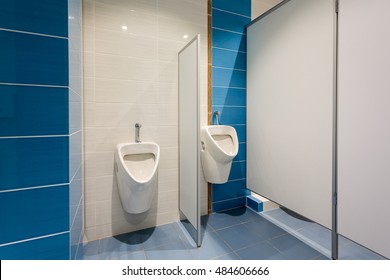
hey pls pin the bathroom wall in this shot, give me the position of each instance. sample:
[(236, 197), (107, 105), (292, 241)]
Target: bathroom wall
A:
[(259, 7), (229, 91), (130, 75), (36, 128)]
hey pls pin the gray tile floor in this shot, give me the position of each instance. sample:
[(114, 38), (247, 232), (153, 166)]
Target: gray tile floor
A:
[(230, 235), (317, 236)]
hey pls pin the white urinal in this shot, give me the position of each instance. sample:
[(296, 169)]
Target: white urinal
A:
[(219, 147), (136, 170)]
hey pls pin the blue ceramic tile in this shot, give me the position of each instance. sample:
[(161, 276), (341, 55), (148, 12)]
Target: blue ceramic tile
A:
[(212, 246), (293, 248), (75, 194), (243, 214), (75, 153), (231, 115), (229, 78), (230, 256), (49, 248), (75, 112), (162, 235), (314, 232), (43, 16), (241, 132), (229, 96), (265, 228), (32, 59), (205, 225), (229, 204), (229, 21), (76, 230), (121, 244), (228, 40), (260, 251), (242, 8), (238, 237), (222, 220), (229, 190), (79, 252), (90, 251), (288, 220), (45, 162), (353, 251), (171, 251), (238, 170), (254, 203), (28, 110), (32, 213), (123, 255), (241, 152)]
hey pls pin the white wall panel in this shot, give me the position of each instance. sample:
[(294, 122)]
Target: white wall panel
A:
[(189, 132), (290, 107), (364, 130)]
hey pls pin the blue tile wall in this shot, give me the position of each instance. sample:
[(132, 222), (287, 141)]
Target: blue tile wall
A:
[(242, 7), (231, 115), (47, 248), (32, 213), (29, 162), (241, 153), (228, 40), (229, 59), (43, 16), (32, 59), (229, 190), (24, 111), (228, 78), (38, 118), (229, 91), (228, 21), (228, 204), (241, 132), (238, 170), (254, 203)]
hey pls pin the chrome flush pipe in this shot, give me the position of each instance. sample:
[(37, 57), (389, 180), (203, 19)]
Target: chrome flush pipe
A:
[(216, 114), (137, 128)]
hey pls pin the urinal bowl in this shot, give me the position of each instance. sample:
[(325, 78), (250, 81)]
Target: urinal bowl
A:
[(136, 170), (219, 147)]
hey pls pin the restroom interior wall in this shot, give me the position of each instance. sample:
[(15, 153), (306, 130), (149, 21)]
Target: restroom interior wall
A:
[(229, 92), (259, 7), (131, 75), (34, 130)]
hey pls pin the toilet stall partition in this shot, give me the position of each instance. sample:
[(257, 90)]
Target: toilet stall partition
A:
[(317, 115), (290, 95), (189, 139)]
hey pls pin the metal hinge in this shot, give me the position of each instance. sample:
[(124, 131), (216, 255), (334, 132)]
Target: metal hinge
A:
[(336, 6), (334, 198)]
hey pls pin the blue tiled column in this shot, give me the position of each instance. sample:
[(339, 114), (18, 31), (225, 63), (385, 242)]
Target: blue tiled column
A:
[(229, 91), (34, 130)]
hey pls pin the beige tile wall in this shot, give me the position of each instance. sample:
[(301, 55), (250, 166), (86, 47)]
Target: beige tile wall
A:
[(130, 75), (261, 6)]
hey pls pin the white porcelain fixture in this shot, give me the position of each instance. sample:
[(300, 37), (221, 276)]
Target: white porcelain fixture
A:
[(219, 147), (136, 170)]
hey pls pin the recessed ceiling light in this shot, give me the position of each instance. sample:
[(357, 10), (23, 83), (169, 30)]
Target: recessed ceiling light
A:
[(185, 36), (124, 27)]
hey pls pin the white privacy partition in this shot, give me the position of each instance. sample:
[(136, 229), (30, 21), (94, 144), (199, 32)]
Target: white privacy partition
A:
[(189, 127), (364, 129), (290, 54)]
